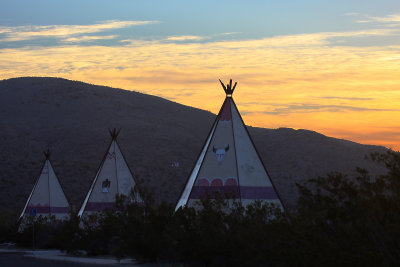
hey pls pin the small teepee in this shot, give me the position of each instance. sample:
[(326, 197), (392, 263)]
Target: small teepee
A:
[(229, 165), (47, 198), (112, 178)]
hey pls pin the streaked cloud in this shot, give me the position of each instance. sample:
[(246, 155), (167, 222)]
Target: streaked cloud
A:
[(298, 81), (347, 98), (307, 108), (185, 38), (383, 136), (390, 20), (228, 33), (22, 33), (87, 38)]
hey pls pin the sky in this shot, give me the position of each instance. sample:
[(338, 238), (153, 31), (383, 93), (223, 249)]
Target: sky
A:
[(327, 66)]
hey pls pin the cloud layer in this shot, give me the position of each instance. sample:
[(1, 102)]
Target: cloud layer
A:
[(23, 33), (299, 81)]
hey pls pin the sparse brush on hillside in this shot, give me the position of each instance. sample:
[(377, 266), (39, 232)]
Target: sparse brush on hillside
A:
[(71, 119), (352, 221), (339, 222)]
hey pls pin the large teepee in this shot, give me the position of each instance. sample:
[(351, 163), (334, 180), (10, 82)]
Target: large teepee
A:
[(47, 197), (112, 178), (229, 165)]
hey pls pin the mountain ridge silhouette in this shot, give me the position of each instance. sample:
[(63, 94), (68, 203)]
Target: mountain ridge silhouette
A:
[(72, 119)]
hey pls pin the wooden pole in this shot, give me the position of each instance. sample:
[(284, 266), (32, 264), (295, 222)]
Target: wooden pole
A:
[(33, 235)]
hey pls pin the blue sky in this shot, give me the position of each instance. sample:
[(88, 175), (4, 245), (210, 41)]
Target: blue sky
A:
[(243, 19)]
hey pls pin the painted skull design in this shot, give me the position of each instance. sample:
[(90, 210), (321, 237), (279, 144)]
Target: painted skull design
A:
[(220, 153)]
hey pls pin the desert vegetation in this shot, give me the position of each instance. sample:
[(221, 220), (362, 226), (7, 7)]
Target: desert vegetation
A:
[(72, 119), (340, 221)]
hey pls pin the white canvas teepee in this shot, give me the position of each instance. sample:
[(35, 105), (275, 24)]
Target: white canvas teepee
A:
[(47, 197), (229, 165), (112, 178)]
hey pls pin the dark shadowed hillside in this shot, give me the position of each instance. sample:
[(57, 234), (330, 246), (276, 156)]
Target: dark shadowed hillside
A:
[(71, 118)]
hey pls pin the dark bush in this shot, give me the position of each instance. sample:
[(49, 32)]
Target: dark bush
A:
[(340, 221)]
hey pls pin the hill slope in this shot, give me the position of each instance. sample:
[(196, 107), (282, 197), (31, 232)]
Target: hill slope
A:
[(71, 118)]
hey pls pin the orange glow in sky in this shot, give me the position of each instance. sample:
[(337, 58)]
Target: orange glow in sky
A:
[(327, 66), (291, 81)]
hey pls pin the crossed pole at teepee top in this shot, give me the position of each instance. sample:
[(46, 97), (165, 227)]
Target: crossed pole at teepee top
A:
[(228, 88)]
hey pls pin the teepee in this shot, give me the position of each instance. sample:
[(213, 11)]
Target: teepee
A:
[(229, 165), (47, 198), (112, 178)]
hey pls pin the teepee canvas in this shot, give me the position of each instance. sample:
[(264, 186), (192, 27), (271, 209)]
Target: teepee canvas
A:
[(229, 165), (112, 178), (47, 197)]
